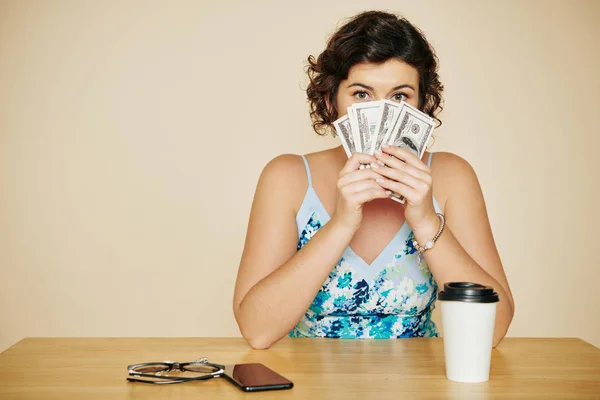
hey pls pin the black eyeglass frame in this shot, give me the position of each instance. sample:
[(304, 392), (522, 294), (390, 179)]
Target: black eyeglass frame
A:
[(218, 370)]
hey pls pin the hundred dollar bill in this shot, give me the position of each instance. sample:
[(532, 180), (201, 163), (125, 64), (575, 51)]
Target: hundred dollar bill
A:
[(354, 128), (367, 116), (390, 111), (344, 131), (412, 131)]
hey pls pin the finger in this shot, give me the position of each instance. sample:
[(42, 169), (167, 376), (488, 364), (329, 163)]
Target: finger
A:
[(367, 195), (355, 187), (355, 161), (406, 178), (358, 175), (399, 188), (402, 166), (404, 155)]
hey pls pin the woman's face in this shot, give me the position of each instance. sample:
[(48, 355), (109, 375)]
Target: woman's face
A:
[(392, 80)]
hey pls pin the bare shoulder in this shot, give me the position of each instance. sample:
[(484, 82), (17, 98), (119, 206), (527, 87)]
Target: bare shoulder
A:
[(284, 178), (284, 167), (326, 164), (453, 177), (449, 165)]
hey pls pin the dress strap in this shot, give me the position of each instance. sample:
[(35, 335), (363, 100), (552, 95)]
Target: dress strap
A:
[(429, 161), (307, 171)]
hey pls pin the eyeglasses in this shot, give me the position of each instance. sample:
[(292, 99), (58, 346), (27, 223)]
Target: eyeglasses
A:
[(166, 372)]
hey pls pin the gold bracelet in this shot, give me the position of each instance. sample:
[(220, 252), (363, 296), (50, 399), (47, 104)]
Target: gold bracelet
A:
[(430, 244)]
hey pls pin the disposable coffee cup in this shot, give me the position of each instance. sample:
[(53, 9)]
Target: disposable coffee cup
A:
[(468, 320)]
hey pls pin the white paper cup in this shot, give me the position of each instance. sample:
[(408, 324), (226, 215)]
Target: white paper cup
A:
[(468, 320)]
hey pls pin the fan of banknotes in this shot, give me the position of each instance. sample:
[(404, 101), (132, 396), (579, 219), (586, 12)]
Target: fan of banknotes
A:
[(368, 125)]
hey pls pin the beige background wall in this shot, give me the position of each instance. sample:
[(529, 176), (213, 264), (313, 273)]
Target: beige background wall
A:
[(132, 135)]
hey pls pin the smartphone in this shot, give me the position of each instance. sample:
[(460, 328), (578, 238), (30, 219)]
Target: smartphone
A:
[(256, 377)]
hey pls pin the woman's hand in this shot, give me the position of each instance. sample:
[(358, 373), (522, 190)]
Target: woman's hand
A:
[(356, 187), (407, 175)]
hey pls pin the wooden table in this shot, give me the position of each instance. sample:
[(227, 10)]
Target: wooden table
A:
[(95, 368)]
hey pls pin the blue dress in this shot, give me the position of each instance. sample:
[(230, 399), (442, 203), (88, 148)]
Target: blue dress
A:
[(392, 297)]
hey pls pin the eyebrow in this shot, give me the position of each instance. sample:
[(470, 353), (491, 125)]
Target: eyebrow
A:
[(370, 88)]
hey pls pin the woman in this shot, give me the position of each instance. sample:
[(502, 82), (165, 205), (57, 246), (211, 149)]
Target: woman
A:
[(328, 253)]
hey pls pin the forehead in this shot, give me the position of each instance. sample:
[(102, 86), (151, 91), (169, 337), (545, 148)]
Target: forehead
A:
[(392, 72)]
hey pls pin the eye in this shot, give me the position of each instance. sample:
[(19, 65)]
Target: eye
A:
[(360, 95), (399, 97)]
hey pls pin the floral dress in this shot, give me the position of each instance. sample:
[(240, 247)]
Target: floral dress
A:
[(392, 297)]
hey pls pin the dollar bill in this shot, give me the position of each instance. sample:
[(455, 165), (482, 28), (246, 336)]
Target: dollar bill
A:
[(367, 116), (354, 128), (390, 111), (412, 131), (344, 131)]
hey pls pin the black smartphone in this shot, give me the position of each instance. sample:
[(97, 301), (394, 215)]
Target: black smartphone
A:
[(256, 377)]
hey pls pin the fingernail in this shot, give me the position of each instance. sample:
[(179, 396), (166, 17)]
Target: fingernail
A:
[(373, 165), (381, 163), (388, 192), (379, 180), (385, 146)]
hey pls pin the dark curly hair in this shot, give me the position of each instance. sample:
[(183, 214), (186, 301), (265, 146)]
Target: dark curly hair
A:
[(372, 36)]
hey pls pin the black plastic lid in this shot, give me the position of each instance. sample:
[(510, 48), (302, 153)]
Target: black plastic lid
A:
[(467, 291)]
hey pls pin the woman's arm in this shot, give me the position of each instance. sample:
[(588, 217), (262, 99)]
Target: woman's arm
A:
[(466, 251), (276, 284)]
